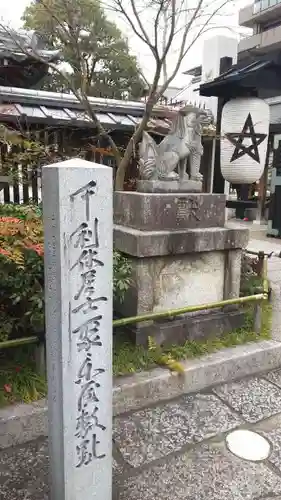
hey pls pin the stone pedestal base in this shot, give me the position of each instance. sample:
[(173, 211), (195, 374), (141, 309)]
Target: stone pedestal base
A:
[(171, 186), (167, 211), (179, 263), (185, 279)]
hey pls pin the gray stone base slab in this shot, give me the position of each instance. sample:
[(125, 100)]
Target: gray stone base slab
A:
[(171, 186), (156, 243), (192, 326), (22, 423)]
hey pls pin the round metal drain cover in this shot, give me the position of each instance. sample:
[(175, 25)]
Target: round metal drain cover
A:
[(248, 445)]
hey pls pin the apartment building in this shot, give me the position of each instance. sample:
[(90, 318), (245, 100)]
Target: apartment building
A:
[(264, 17)]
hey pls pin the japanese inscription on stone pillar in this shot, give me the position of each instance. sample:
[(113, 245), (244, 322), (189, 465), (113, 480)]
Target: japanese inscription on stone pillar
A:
[(188, 209), (86, 299), (81, 271)]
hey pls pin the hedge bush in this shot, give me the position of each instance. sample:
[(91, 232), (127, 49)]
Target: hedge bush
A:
[(22, 272)]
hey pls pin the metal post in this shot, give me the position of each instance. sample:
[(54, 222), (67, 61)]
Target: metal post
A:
[(258, 305)]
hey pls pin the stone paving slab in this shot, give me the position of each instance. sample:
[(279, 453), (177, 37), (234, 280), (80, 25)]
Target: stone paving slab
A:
[(271, 430), (24, 472), (253, 397), (274, 437), (274, 377), (155, 432), (267, 246), (207, 472)]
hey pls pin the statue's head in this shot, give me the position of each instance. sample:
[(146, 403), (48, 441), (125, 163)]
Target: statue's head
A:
[(195, 116), (191, 119), (206, 117)]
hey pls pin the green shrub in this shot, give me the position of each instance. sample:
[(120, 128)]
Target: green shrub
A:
[(251, 283), (22, 272), (121, 275)]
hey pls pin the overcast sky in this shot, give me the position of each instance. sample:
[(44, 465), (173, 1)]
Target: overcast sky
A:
[(12, 10)]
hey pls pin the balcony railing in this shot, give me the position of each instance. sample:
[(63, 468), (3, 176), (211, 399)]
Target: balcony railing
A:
[(263, 5)]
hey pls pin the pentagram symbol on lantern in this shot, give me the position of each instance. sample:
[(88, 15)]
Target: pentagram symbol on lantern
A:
[(248, 132)]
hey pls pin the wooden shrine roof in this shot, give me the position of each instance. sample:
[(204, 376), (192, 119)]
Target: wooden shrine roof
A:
[(28, 106), (261, 76)]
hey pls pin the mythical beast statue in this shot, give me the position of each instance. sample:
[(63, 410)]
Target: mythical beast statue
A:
[(180, 149)]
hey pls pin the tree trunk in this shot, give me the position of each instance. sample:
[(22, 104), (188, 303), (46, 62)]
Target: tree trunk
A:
[(136, 137)]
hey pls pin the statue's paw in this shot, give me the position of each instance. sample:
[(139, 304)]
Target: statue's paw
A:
[(172, 175), (147, 169), (185, 177), (197, 177)]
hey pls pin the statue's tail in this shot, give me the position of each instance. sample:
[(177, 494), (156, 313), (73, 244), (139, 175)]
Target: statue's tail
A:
[(148, 157)]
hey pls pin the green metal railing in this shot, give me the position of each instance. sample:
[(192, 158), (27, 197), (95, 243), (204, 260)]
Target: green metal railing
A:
[(17, 342), (172, 313)]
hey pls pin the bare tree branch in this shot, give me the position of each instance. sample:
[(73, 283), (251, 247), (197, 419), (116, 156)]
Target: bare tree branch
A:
[(140, 34), (162, 9), (177, 23), (141, 26), (64, 34), (184, 50), (165, 71), (172, 31), (170, 22)]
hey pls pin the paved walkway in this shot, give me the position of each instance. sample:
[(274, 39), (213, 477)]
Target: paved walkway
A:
[(177, 450)]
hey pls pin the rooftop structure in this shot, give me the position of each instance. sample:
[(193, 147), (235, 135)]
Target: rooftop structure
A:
[(23, 58)]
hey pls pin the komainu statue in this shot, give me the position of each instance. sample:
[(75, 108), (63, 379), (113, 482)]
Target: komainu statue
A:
[(181, 149)]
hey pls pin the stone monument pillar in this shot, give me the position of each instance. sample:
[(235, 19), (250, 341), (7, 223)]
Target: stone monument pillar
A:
[(174, 236), (77, 208)]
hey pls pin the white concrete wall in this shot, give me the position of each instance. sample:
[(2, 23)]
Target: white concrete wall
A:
[(213, 50)]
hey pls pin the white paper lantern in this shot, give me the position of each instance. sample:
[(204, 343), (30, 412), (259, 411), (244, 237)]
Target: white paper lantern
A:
[(244, 130)]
